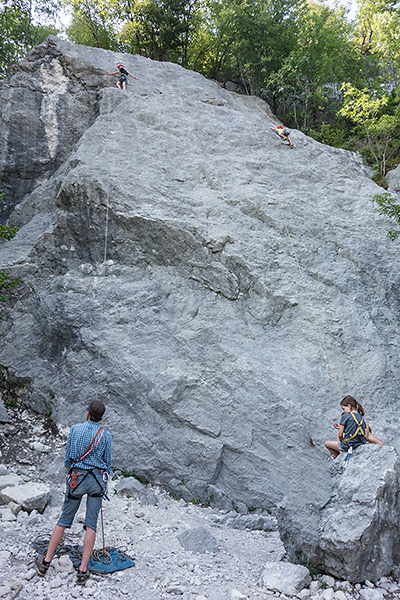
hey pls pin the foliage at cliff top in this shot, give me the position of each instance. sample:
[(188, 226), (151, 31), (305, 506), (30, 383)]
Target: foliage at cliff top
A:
[(296, 54)]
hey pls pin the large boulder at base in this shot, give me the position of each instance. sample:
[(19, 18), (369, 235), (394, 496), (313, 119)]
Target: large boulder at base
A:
[(30, 496), (355, 536), (196, 330)]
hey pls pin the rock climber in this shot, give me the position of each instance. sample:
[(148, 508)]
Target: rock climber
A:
[(283, 134), (123, 76), (353, 430), (88, 464)]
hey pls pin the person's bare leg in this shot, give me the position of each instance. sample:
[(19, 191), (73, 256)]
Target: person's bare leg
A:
[(333, 448), (88, 544), (55, 539)]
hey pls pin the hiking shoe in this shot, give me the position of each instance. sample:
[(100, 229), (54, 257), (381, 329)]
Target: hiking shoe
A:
[(41, 568), (82, 577)]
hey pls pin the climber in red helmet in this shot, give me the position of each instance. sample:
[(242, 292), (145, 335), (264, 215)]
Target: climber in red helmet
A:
[(123, 76), (283, 134)]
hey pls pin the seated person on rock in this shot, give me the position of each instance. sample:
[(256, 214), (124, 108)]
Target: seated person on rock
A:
[(353, 430)]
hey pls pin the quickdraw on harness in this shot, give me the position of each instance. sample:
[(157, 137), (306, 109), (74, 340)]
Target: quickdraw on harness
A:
[(348, 456), (360, 430)]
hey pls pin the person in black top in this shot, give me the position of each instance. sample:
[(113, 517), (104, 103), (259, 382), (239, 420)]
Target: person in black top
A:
[(123, 76), (353, 430)]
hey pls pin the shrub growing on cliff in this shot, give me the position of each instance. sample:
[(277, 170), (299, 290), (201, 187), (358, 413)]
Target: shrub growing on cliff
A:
[(6, 234), (368, 110), (387, 206)]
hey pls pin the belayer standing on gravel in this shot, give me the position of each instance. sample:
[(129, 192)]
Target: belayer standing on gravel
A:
[(353, 430), (123, 76), (88, 463), (283, 134)]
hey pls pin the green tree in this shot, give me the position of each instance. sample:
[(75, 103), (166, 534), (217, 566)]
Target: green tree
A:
[(93, 24), (310, 77), (250, 38), (378, 32), (23, 25), (388, 206), (160, 29), (369, 111)]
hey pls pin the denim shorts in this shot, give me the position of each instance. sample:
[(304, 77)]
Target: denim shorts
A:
[(85, 484), (343, 447)]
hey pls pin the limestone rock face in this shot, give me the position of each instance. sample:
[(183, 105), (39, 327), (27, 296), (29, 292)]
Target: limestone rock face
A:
[(197, 330), (393, 179), (355, 536), (44, 108)]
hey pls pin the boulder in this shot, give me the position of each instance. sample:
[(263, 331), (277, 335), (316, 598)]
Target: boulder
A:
[(285, 578), (30, 496), (4, 418), (56, 471), (9, 480), (355, 535), (131, 487), (6, 514), (63, 564), (253, 522), (198, 540), (393, 179)]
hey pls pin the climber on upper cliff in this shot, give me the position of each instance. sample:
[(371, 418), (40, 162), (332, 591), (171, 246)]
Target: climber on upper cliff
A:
[(283, 134), (123, 76), (353, 430)]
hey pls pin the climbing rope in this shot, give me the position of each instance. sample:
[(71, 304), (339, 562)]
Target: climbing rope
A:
[(103, 272), (104, 556), (281, 210)]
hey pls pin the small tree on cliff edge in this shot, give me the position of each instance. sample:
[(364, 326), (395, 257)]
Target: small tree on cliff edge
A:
[(387, 206), (6, 234)]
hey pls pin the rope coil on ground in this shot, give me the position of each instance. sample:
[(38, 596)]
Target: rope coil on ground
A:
[(103, 555)]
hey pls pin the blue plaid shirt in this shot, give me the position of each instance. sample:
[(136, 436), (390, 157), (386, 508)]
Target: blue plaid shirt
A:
[(78, 442)]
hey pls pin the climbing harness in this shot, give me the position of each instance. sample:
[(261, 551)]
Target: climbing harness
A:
[(73, 483), (287, 228), (360, 430)]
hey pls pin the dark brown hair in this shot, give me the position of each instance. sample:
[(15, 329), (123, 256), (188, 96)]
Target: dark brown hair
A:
[(96, 410), (350, 401)]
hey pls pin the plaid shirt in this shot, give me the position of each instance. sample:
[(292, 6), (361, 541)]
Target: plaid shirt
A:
[(79, 440)]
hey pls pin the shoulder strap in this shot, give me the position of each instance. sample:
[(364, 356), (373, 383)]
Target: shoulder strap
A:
[(359, 431), (91, 447)]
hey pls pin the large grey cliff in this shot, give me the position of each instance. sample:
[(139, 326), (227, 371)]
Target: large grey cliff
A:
[(211, 364)]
